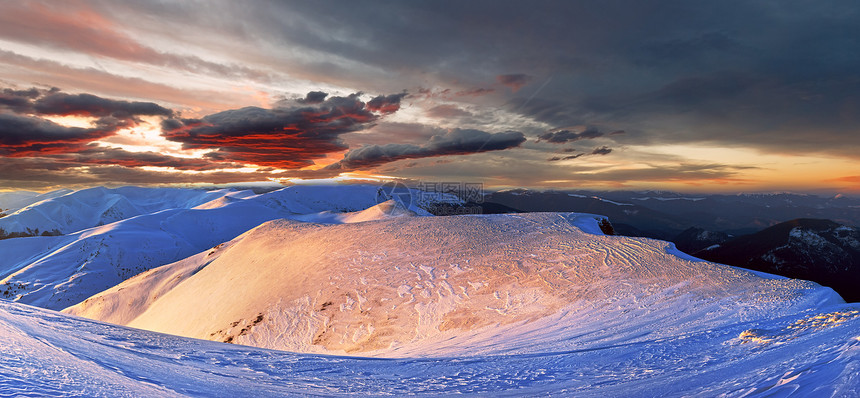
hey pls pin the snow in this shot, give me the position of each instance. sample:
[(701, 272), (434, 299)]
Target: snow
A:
[(73, 211), (12, 201), (600, 199), (668, 199), (56, 272), (807, 237), (330, 292), (387, 209), (48, 353), (390, 288), (611, 201)]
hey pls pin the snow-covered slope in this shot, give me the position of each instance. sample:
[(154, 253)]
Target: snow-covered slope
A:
[(76, 210), (12, 201), (64, 211), (443, 286), (58, 271), (55, 272), (815, 353)]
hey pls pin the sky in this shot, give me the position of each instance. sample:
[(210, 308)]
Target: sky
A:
[(723, 96)]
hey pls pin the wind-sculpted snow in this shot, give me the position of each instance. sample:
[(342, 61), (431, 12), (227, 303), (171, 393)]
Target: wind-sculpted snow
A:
[(58, 271), (45, 353), (509, 305), (447, 286)]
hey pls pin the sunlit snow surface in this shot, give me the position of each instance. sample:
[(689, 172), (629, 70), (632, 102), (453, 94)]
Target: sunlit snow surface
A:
[(539, 304), (47, 353)]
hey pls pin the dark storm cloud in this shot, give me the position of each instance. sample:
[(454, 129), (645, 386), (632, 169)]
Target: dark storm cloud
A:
[(565, 136), (290, 136), (454, 142)]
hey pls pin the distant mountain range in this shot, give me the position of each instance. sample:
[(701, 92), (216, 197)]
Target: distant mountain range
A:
[(818, 250), (664, 215)]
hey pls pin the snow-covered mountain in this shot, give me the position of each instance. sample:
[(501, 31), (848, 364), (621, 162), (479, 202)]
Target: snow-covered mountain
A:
[(694, 239), (664, 215), (441, 286), (13, 201), (818, 250), (58, 271), (539, 304), (72, 211)]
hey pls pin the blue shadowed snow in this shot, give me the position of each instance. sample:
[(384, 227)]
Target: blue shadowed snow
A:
[(47, 353)]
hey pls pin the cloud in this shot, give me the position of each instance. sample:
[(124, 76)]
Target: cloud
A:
[(454, 142), (49, 173), (288, 137), (102, 81), (514, 81), (31, 136), (569, 157), (54, 102), (24, 132), (565, 136), (604, 150), (385, 104), (314, 97), (96, 155), (601, 151), (81, 27), (447, 111), (18, 101), (59, 103), (474, 92)]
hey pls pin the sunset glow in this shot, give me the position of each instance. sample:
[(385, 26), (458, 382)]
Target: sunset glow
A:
[(578, 96)]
